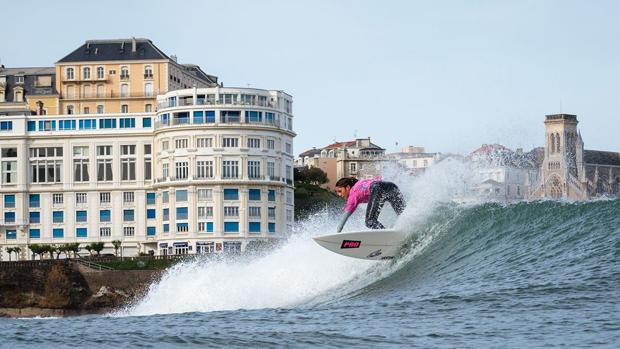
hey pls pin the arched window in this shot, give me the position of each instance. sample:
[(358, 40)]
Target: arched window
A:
[(18, 95), (70, 74), (99, 72), (124, 73), (124, 108), (148, 108), (552, 143), (148, 89), (124, 90), (69, 110), (557, 142), (100, 109), (86, 73), (148, 72)]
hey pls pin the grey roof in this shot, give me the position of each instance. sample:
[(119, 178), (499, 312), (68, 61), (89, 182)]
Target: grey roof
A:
[(114, 50), (30, 76), (198, 73), (596, 157), (310, 152)]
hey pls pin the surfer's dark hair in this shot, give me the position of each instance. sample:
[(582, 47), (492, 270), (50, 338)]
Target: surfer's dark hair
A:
[(346, 182)]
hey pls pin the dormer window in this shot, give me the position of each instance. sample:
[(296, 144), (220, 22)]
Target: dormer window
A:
[(19, 79), (70, 74)]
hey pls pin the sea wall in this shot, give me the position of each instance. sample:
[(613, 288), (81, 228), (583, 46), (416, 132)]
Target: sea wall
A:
[(64, 288)]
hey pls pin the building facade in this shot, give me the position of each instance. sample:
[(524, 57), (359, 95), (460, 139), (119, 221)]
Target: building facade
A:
[(165, 170)]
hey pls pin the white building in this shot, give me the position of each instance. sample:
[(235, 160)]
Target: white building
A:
[(209, 171), (414, 160)]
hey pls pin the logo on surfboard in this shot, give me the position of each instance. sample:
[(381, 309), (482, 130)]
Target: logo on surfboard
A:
[(350, 244)]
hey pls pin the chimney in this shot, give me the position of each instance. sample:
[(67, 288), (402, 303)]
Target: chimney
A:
[(133, 44), (174, 58)]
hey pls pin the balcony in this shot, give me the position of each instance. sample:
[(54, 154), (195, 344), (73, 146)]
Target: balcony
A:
[(213, 102), (148, 76), (109, 95), (124, 76)]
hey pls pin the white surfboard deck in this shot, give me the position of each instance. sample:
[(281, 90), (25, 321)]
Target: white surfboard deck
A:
[(370, 244)]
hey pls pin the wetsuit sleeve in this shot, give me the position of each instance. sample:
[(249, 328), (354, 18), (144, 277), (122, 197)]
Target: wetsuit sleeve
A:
[(344, 219)]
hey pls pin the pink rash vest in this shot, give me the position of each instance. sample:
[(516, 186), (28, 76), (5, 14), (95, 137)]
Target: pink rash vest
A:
[(359, 194)]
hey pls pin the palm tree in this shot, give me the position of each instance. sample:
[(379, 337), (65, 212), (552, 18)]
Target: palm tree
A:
[(89, 248), (98, 247), (10, 251), (17, 251), (73, 247)]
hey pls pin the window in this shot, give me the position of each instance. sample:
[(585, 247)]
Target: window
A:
[(19, 79), (86, 110), (271, 212), (228, 98), (181, 170), (204, 142), (205, 227), (150, 198), (231, 211), (128, 216), (254, 194), (81, 198), (128, 162), (254, 212), (164, 197), (148, 162), (254, 227), (271, 195), (11, 234), (271, 144), (272, 227), (105, 216), (150, 213), (80, 164), (228, 142), (289, 197), (289, 148), (46, 170), (81, 216), (254, 169), (58, 233), (6, 125), (232, 246), (180, 143), (104, 198), (198, 117), (35, 233), (86, 73), (205, 212), (181, 212), (181, 195), (47, 125), (253, 142), (9, 200), (32, 126), (105, 231), (230, 169), (57, 199), (124, 73), (9, 217), (270, 118), (81, 232), (148, 72), (148, 89), (9, 172), (64, 125), (165, 214), (231, 194), (107, 123), (70, 74), (104, 163), (231, 227), (129, 231), (99, 109), (253, 116), (100, 72), (210, 116), (127, 122), (150, 231), (182, 227), (146, 122), (166, 228), (205, 194), (87, 124), (34, 217), (128, 197), (34, 201), (204, 169), (271, 169)]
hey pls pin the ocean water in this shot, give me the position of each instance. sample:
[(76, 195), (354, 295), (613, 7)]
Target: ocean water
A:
[(540, 274)]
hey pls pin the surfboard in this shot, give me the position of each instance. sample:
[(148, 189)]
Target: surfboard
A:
[(381, 244)]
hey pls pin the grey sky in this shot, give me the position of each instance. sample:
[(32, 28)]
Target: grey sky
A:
[(447, 75)]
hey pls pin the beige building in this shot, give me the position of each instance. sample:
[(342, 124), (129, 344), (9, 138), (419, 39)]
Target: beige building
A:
[(121, 76), (30, 91)]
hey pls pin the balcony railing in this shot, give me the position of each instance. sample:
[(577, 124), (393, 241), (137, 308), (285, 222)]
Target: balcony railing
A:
[(105, 95), (227, 121), (206, 101), (214, 178)]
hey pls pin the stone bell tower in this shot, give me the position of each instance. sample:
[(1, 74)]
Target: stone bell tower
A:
[(563, 157)]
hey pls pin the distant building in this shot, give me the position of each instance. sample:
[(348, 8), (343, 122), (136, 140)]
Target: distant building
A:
[(569, 171), (28, 91), (415, 160)]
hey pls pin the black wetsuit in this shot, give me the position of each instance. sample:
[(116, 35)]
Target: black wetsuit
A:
[(380, 192)]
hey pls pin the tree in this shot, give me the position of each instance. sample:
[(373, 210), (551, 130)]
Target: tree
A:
[(98, 247), (36, 249), (45, 249), (10, 251), (316, 176), (17, 251), (58, 249), (117, 246), (73, 247), (89, 248)]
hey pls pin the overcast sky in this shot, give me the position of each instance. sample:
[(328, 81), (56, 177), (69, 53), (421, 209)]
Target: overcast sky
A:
[(446, 75)]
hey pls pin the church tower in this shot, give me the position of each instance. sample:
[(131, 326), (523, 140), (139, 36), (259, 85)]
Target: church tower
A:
[(563, 163)]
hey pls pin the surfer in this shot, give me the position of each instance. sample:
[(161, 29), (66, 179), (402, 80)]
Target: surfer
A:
[(375, 192)]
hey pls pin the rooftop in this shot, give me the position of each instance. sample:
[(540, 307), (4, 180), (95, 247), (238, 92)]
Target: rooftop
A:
[(115, 50)]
